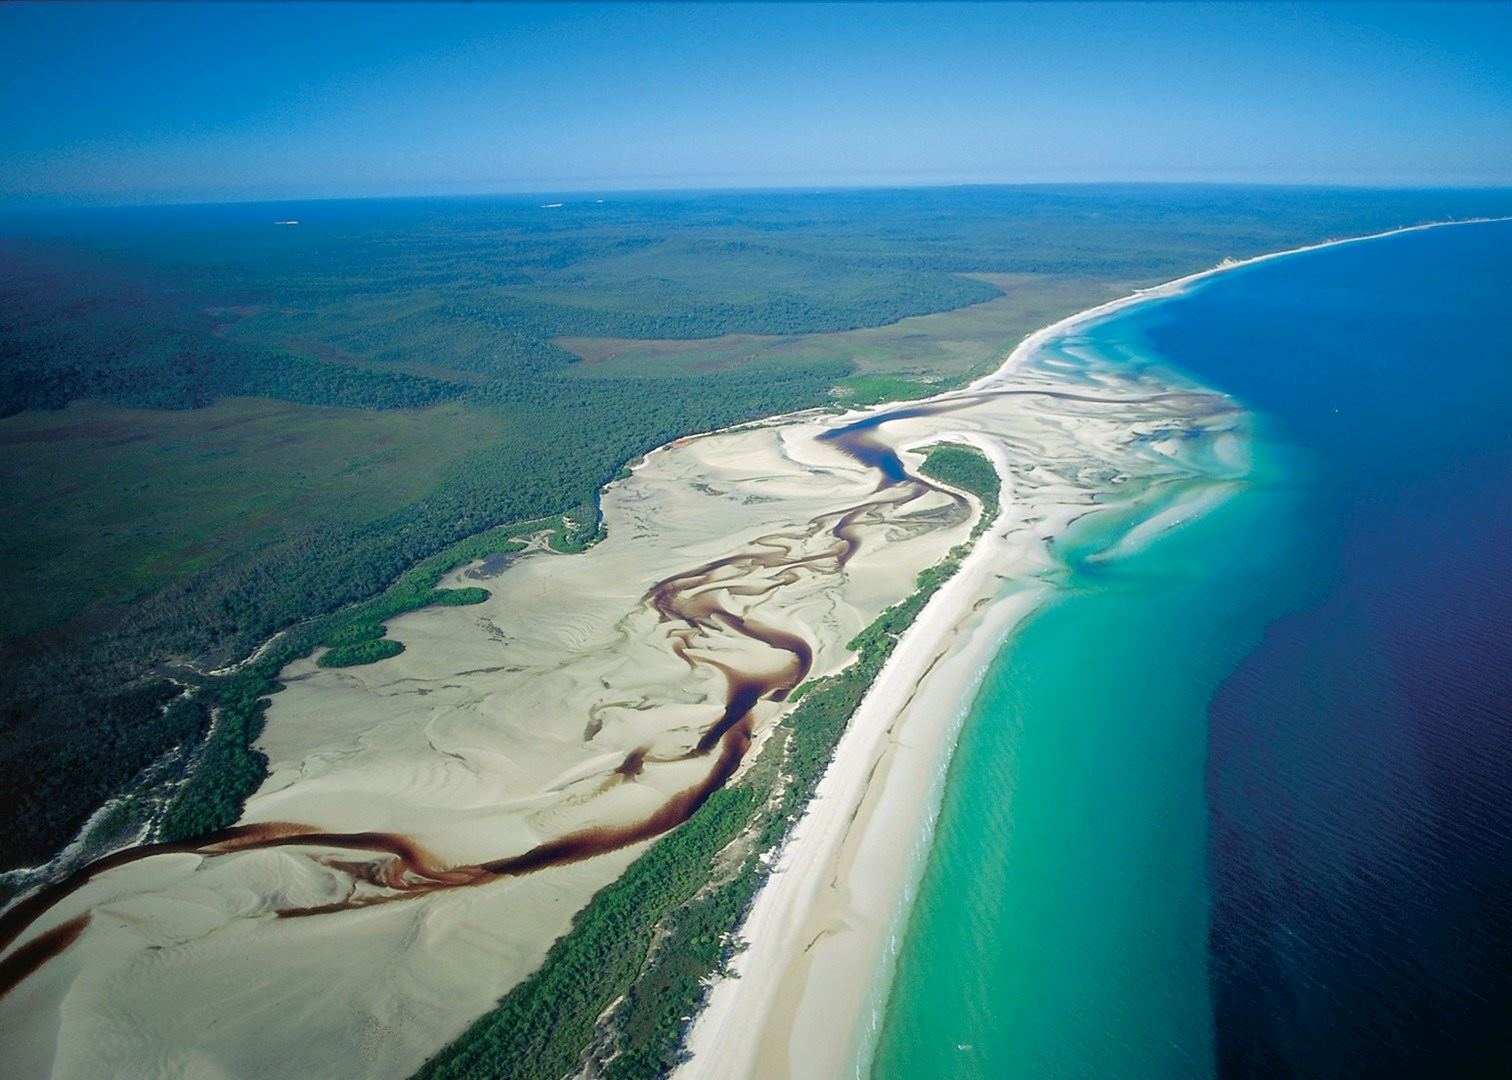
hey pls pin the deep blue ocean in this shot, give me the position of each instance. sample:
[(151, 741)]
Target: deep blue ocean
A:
[(1243, 805)]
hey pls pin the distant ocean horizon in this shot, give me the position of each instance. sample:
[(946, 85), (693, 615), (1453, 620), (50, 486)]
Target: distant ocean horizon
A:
[(1239, 804)]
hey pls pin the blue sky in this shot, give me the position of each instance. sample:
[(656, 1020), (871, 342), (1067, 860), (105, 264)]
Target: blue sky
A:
[(125, 103)]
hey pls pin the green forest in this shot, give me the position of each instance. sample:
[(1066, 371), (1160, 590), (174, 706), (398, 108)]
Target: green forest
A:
[(214, 430)]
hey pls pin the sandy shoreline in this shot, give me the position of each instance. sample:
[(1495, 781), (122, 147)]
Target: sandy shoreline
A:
[(806, 997), (576, 702)]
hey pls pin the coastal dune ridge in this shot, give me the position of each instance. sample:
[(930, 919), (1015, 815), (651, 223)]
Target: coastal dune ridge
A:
[(431, 823)]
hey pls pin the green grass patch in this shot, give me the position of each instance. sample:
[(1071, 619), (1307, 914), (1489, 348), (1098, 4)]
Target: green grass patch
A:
[(802, 689), (364, 652), (355, 634), (967, 469), (859, 391), (460, 597), (945, 348)]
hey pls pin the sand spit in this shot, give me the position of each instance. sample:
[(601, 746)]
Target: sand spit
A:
[(432, 822)]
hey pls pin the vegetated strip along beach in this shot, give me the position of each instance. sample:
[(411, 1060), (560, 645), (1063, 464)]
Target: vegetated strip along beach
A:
[(807, 994), (537, 742)]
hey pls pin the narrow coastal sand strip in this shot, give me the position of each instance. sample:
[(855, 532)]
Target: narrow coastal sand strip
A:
[(806, 997)]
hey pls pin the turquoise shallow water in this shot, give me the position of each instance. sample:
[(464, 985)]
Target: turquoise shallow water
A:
[(1239, 803), (1061, 929)]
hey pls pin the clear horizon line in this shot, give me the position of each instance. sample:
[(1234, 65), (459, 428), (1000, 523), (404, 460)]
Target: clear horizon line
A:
[(565, 195)]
